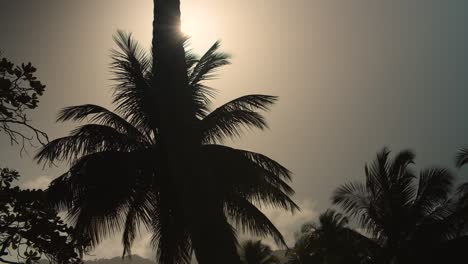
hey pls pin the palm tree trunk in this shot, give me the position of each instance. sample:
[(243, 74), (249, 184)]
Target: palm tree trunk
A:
[(176, 120), (170, 74), (171, 116)]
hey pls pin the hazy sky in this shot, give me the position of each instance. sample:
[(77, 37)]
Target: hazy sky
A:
[(352, 76)]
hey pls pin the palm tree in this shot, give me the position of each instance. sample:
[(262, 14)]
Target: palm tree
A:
[(120, 175), (300, 254), (255, 252), (404, 213), (462, 160), (330, 241)]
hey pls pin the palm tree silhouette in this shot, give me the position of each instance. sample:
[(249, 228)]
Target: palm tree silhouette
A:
[(255, 252), (120, 178), (406, 215), (330, 241), (462, 160)]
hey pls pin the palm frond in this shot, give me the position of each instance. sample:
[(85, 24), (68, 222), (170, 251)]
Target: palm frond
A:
[(240, 167), (201, 70), (401, 162), (255, 252), (229, 119), (267, 164), (352, 197), (141, 206), (462, 157), (434, 186), (355, 200), (191, 59), (377, 173), (462, 192), (211, 61), (220, 125), (333, 218), (85, 140), (132, 94), (248, 218), (100, 190), (101, 115)]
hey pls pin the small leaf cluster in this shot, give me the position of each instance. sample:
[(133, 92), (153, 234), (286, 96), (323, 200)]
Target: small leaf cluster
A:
[(19, 88)]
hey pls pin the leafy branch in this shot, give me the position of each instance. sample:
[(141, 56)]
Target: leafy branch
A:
[(19, 93)]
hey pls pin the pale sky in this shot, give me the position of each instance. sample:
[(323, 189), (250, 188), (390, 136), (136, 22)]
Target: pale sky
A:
[(352, 76)]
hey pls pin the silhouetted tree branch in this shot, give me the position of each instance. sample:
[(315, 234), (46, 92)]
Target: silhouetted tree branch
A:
[(30, 229), (19, 92)]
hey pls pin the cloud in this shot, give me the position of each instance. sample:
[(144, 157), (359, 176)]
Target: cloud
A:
[(288, 224), (40, 182), (112, 247)]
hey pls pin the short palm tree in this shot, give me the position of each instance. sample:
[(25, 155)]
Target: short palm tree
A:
[(404, 213), (330, 241), (120, 178), (255, 252)]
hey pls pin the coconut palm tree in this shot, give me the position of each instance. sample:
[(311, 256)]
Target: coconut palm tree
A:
[(404, 213), (120, 175), (255, 252), (331, 241), (462, 160)]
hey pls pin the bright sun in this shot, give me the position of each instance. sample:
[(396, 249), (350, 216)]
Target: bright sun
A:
[(201, 31), (188, 28)]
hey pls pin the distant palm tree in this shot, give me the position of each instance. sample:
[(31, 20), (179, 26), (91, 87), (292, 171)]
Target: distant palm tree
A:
[(331, 241), (120, 176), (407, 215), (255, 252), (462, 160)]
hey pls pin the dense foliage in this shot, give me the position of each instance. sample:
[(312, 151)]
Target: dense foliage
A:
[(30, 229), (331, 241), (403, 217), (255, 252)]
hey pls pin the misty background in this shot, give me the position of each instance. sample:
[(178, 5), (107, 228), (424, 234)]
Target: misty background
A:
[(352, 77)]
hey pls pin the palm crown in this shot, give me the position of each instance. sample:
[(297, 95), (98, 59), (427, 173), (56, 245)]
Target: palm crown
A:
[(255, 252), (400, 211), (118, 177), (330, 240)]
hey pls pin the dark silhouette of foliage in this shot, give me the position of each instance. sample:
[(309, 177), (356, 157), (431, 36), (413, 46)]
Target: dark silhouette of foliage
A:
[(19, 92), (31, 230), (462, 160), (331, 241), (408, 216), (255, 252), (133, 259), (120, 153)]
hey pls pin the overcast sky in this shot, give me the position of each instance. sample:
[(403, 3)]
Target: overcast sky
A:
[(352, 76)]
